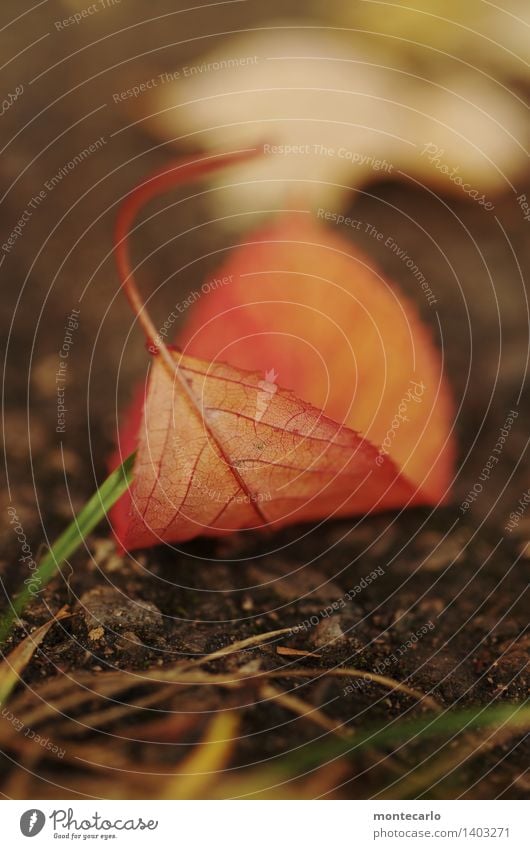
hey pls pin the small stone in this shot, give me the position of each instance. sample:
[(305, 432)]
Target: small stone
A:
[(107, 608), (130, 643), (327, 632)]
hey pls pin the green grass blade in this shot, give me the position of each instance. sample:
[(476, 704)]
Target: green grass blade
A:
[(310, 757), (450, 722), (69, 541)]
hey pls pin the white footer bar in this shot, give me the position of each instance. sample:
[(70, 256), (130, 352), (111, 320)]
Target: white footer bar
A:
[(266, 824)]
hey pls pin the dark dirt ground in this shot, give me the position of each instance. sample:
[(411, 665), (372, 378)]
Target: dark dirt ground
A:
[(463, 573)]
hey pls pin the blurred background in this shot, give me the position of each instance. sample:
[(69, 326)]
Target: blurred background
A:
[(415, 120)]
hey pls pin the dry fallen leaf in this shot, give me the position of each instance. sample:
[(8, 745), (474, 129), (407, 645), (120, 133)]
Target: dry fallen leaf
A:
[(208, 462), (303, 301), (362, 423), (14, 664)]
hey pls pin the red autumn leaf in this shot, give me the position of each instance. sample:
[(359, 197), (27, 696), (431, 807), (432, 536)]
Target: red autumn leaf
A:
[(223, 448), (300, 299), (220, 450)]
